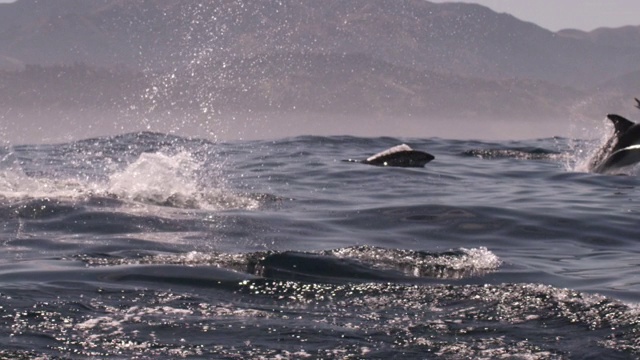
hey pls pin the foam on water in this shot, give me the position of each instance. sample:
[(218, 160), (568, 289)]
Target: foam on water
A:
[(456, 263), (16, 185), (520, 154)]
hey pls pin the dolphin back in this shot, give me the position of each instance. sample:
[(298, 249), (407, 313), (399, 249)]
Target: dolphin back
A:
[(619, 159), (400, 155), (621, 149)]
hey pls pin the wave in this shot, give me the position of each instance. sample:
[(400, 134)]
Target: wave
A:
[(516, 153), (452, 264), (238, 318), (100, 261), (357, 263)]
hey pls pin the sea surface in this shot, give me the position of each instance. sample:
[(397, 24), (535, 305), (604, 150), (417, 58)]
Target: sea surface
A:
[(154, 246)]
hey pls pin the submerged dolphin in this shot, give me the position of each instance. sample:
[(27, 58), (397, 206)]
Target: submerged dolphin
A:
[(400, 155), (621, 149)]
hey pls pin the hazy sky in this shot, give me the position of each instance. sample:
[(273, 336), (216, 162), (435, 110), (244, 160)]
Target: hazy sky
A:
[(562, 14)]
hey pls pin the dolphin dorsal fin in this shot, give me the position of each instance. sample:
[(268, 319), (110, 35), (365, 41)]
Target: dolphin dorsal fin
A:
[(619, 123), (637, 103)]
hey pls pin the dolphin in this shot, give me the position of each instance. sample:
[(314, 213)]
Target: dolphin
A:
[(400, 155), (621, 149)]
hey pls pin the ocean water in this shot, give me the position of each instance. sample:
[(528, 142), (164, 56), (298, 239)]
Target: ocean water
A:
[(149, 245)]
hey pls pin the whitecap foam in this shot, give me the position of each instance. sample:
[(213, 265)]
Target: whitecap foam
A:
[(16, 185), (453, 264)]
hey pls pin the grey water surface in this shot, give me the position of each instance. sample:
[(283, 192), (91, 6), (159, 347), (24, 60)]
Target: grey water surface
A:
[(148, 245)]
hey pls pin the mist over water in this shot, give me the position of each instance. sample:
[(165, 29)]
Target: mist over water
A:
[(230, 71), (70, 125)]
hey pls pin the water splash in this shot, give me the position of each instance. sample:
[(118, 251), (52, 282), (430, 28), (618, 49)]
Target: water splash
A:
[(180, 93), (173, 180), (172, 177), (583, 151), (160, 179)]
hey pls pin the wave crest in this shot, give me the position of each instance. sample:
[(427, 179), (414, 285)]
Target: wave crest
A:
[(362, 263)]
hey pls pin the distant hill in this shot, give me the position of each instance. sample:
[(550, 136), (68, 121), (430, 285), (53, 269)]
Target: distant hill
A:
[(465, 39), (623, 37), (331, 55)]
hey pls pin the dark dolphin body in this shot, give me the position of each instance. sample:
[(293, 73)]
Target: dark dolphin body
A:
[(401, 156), (621, 149)]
